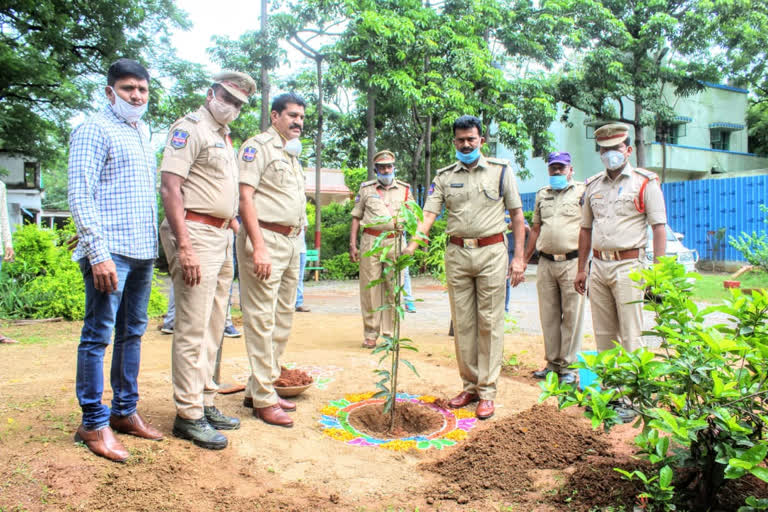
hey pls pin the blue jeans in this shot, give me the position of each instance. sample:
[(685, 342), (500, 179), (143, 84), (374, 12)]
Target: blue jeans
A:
[(510, 255), (125, 311), (300, 286)]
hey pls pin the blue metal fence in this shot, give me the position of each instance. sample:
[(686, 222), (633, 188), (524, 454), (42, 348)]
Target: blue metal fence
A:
[(696, 208)]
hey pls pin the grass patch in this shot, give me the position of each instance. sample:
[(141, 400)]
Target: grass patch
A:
[(710, 287)]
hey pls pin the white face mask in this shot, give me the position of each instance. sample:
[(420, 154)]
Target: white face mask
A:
[(224, 113), (293, 147), (613, 159), (125, 110)]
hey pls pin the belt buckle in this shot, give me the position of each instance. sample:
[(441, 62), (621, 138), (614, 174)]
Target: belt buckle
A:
[(608, 255), (558, 257), (470, 243), (294, 231)]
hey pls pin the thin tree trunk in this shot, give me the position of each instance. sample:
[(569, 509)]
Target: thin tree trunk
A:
[(318, 152), (370, 129), (428, 154), (264, 121), (639, 141)]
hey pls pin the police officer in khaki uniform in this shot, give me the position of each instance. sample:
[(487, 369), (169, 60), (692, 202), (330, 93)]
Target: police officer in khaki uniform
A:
[(199, 191), (381, 197), (272, 208), (555, 234), (475, 192), (617, 207)]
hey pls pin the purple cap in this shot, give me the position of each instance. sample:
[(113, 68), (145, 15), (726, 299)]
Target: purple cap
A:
[(559, 157)]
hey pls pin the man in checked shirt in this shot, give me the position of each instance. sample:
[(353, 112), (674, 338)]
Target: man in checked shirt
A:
[(112, 198)]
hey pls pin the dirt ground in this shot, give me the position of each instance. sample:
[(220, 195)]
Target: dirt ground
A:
[(271, 468)]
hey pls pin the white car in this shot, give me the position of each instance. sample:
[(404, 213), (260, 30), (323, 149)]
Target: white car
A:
[(686, 257)]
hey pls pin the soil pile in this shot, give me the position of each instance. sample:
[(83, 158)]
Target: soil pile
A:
[(290, 378), (500, 458), (410, 419)]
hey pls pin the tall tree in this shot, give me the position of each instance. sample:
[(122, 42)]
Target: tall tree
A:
[(55, 54), (648, 52)]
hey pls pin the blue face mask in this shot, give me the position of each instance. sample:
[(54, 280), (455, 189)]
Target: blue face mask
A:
[(468, 158), (386, 179), (558, 182)]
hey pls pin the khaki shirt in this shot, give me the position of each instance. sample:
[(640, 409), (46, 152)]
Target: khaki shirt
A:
[(277, 179), (559, 214), (609, 209), (471, 197), (199, 150), (374, 200)]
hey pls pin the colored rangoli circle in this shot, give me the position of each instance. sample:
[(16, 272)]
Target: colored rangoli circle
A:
[(335, 420)]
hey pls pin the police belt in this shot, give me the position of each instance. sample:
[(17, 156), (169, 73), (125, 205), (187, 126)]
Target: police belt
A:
[(472, 243), (206, 219), (560, 257), (279, 228), (376, 232), (629, 254)]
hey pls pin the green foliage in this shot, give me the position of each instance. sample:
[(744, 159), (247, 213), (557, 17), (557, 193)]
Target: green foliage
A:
[(44, 282), (54, 56), (754, 247), (432, 260), (394, 262), (336, 222), (341, 267), (353, 177), (700, 399)]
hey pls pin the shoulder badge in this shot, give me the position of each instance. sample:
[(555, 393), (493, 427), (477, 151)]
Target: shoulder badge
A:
[(179, 138), (448, 168), (431, 189), (497, 161), (645, 173), (593, 179), (193, 117), (367, 183), (263, 138), (249, 153), (357, 198)]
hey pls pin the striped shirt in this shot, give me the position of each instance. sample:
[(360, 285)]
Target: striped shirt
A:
[(112, 189)]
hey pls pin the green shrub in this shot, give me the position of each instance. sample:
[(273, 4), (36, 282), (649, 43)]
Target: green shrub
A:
[(353, 177), (700, 398), (340, 267), (754, 247), (44, 282)]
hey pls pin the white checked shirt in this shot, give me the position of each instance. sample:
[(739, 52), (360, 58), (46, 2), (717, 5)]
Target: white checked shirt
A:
[(5, 227), (112, 189)]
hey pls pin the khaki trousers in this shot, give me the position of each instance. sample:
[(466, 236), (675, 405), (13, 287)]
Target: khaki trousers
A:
[(201, 312), (476, 288), (617, 307), (268, 307), (561, 311), (375, 322)]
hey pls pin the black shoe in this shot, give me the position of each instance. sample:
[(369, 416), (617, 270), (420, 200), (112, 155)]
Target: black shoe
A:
[(568, 378), (542, 374), (219, 421), (200, 432)]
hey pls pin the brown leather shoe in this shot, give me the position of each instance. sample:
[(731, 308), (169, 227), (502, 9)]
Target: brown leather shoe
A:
[(102, 442), (303, 309), (462, 399), (273, 415), (286, 405), (485, 409), (135, 426)]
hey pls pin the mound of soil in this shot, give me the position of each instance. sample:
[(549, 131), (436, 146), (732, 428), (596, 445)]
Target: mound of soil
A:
[(595, 484), (410, 419), (289, 378), (500, 457)]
